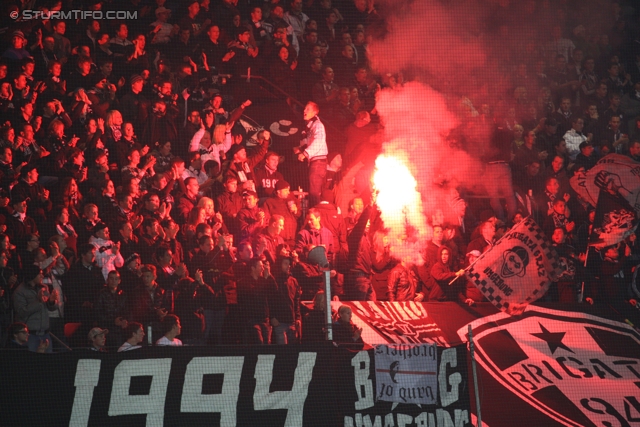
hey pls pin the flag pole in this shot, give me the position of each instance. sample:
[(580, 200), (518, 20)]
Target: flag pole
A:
[(586, 257), (475, 376)]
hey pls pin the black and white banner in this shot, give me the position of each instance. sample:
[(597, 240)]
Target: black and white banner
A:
[(252, 386)]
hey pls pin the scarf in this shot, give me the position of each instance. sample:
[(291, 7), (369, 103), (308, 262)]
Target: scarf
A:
[(65, 230), (117, 132)]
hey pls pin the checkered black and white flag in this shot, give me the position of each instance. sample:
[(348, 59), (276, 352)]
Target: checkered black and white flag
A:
[(518, 269)]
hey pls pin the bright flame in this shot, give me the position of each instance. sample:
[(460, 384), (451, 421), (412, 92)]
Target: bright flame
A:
[(401, 207), (396, 185)]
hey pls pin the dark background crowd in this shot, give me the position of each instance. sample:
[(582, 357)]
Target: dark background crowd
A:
[(134, 201)]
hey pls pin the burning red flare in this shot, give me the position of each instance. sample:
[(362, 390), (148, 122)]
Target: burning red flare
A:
[(401, 206)]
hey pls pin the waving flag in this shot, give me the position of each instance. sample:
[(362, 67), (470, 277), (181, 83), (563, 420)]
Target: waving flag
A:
[(518, 269), (614, 173), (615, 220)]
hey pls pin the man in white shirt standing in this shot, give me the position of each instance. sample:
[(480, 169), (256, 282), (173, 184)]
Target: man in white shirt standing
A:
[(574, 138), (172, 328), (314, 148)]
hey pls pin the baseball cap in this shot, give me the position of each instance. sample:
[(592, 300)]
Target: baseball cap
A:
[(97, 331)]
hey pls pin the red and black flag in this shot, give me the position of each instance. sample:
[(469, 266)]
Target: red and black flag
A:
[(615, 219)]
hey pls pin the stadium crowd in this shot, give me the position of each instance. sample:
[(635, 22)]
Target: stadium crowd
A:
[(134, 203)]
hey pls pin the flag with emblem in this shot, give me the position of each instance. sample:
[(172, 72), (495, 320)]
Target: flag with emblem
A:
[(578, 369), (518, 269)]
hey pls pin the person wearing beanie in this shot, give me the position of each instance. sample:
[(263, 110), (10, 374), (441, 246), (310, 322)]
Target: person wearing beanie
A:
[(133, 105)]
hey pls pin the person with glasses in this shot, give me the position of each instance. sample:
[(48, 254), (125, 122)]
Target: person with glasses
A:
[(19, 333)]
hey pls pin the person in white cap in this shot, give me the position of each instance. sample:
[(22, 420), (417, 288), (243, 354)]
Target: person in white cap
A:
[(161, 28), (98, 339)]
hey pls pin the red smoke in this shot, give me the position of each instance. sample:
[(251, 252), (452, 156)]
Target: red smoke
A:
[(416, 124)]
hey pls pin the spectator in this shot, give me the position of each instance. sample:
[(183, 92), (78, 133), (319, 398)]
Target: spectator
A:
[(314, 322), (267, 175), (17, 52), (574, 137), (98, 339), (111, 307), (82, 283), (345, 332), (403, 284), (172, 328), (148, 304), (587, 158), (135, 333), (284, 304), (19, 337), (251, 218), (314, 149), (284, 204), (31, 301), (253, 305), (315, 234), (108, 255)]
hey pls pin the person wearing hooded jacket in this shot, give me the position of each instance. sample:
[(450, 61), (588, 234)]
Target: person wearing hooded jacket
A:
[(443, 273), (31, 301)]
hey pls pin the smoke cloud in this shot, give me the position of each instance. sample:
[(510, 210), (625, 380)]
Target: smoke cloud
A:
[(457, 56)]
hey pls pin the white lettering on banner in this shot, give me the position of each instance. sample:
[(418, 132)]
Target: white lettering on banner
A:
[(87, 376), (122, 403), (365, 421), (292, 400), (404, 420), (424, 419), (388, 421), (225, 403), (364, 386), (448, 357), (590, 363)]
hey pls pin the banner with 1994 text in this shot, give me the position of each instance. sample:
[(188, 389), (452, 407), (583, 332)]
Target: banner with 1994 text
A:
[(293, 386)]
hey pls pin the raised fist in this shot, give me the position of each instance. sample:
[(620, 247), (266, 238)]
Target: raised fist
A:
[(611, 183)]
